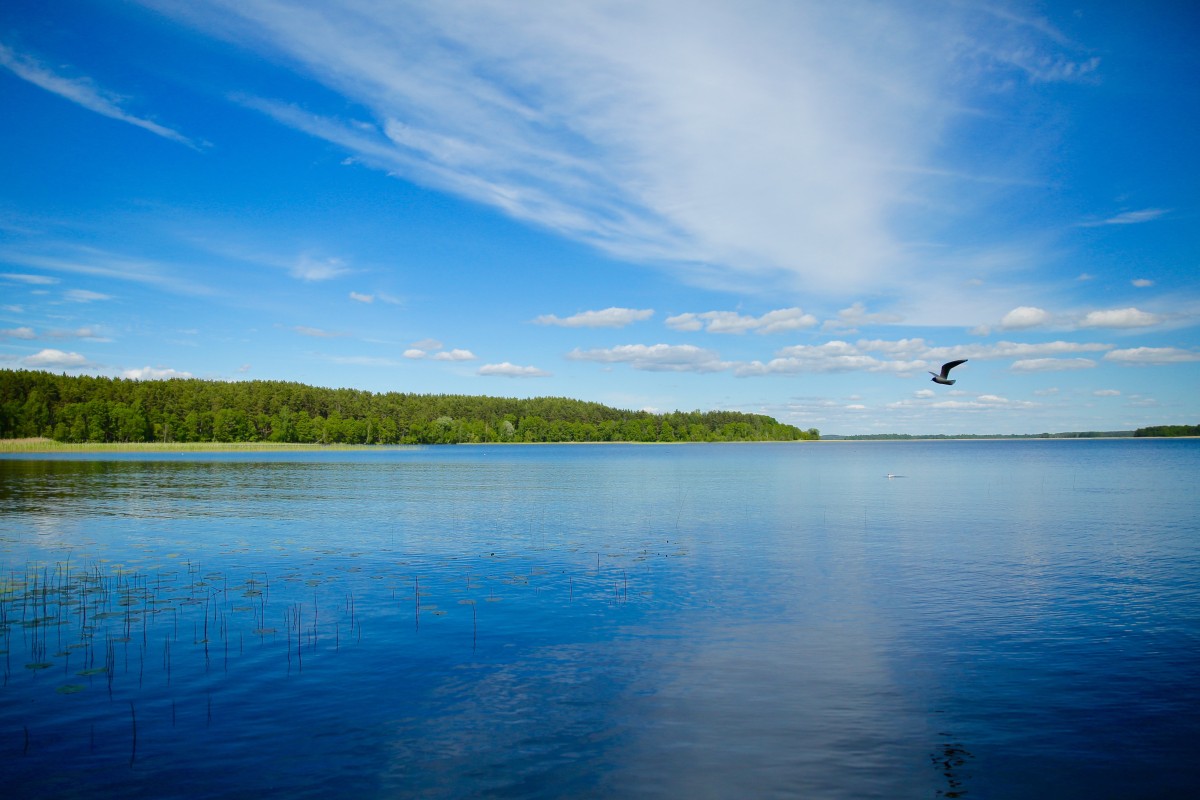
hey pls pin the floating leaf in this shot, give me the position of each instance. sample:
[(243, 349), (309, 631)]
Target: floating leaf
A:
[(70, 688), (39, 665), (87, 673)]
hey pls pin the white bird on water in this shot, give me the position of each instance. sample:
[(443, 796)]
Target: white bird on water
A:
[(943, 378)]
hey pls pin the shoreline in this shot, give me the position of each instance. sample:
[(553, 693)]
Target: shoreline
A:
[(41, 446)]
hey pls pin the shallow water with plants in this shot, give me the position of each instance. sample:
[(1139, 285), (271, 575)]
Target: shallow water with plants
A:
[(1000, 619)]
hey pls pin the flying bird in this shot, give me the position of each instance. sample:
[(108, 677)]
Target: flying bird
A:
[(949, 365)]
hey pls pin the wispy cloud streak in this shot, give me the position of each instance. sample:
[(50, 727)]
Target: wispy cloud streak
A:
[(82, 92), (778, 139)]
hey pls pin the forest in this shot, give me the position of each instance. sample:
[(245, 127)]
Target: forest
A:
[(1169, 430), (82, 408)]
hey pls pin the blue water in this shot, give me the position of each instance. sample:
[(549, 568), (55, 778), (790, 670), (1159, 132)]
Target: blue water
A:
[(1005, 619)]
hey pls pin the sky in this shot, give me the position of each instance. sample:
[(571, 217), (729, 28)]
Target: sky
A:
[(790, 208)]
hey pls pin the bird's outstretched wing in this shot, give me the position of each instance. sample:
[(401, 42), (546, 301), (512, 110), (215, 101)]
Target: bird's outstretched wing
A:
[(949, 365)]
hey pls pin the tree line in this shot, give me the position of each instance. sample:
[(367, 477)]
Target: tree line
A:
[(82, 408), (1169, 430)]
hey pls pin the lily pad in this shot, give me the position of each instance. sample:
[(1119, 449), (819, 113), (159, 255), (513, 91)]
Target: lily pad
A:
[(70, 688)]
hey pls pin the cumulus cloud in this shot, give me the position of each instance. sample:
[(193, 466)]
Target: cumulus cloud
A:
[(856, 316), (149, 373), (655, 357), (1152, 355), (1119, 318), (83, 92), (834, 356), (1006, 349), (51, 358), (454, 355), (507, 370), (779, 321), (1024, 317), (1051, 364), (1142, 283), (1106, 393), (19, 333), (415, 352), (607, 318)]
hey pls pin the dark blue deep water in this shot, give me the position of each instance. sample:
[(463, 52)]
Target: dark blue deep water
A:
[(1005, 619)]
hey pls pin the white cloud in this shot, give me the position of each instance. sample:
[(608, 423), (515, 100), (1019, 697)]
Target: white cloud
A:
[(455, 355), (1051, 364), (85, 296), (655, 357), (779, 321), (768, 139), (924, 394), (50, 358), (91, 261), (310, 269), (415, 352), (607, 318), (1130, 217), (83, 92), (36, 280), (1152, 355), (428, 344), (507, 370), (1024, 317), (1012, 350), (91, 334), (149, 373), (1119, 318), (1142, 283), (1106, 393), (905, 356), (857, 315), (19, 333), (362, 298)]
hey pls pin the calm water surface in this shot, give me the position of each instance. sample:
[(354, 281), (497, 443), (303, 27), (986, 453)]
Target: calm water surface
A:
[(1005, 619)]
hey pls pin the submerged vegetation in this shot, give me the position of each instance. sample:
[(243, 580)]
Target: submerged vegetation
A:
[(114, 410)]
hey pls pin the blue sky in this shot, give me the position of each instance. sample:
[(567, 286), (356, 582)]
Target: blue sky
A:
[(777, 207)]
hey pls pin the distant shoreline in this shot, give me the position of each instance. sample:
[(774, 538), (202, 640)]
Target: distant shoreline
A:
[(39, 446)]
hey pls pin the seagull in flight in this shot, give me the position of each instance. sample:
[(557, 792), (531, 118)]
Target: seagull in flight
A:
[(949, 365)]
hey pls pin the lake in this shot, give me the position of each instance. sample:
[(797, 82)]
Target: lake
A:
[(1001, 619)]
